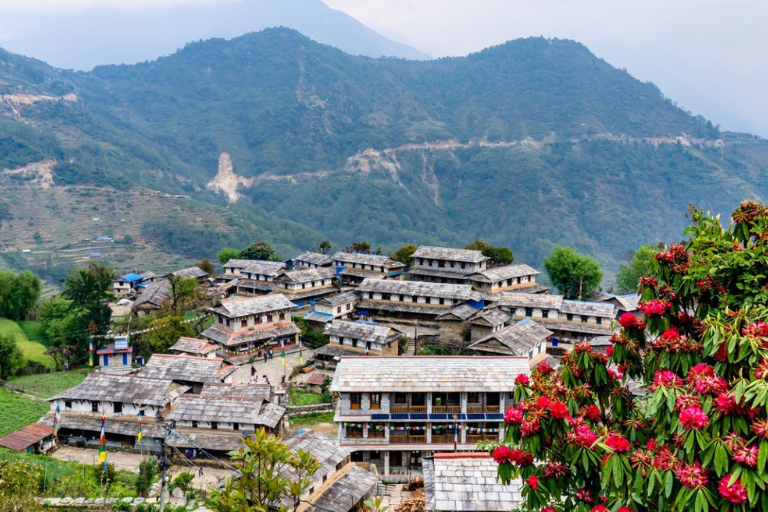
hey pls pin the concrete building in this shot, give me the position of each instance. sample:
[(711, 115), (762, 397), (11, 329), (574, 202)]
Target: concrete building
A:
[(243, 327), (392, 411)]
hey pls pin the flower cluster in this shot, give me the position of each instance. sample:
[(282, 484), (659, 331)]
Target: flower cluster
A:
[(675, 254), (554, 470), (559, 411), (617, 443), (654, 307), (666, 379), (513, 416), (582, 436), (503, 454), (735, 493), (522, 380), (533, 482), (649, 282), (629, 321), (693, 418), (591, 412), (693, 477), (757, 330), (704, 381), (760, 428)]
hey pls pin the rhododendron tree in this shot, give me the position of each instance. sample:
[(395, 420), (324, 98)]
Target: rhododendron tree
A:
[(674, 417)]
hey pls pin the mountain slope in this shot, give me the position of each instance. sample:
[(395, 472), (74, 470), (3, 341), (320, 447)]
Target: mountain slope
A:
[(82, 40), (527, 144)]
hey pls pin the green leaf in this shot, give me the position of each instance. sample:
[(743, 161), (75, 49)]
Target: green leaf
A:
[(668, 482), (762, 456)]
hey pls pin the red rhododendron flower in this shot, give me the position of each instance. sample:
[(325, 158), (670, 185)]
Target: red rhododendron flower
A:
[(665, 378), (544, 368), (513, 416), (693, 477), (761, 372), (554, 470), (533, 482), (502, 454), (735, 493), (649, 282), (758, 330), (582, 435), (617, 443), (693, 418), (760, 428), (549, 508), (654, 307), (558, 411), (686, 401), (592, 412), (629, 321), (625, 509), (609, 351), (600, 508), (522, 379), (529, 427), (651, 444), (543, 402), (584, 495), (746, 456)]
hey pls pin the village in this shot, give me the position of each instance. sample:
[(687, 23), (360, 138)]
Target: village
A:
[(419, 367)]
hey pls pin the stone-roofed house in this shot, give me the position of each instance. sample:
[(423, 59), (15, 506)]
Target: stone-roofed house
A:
[(487, 321), (189, 370), (233, 413), (355, 267), (453, 325), (194, 347), (127, 284), (344, 491), (243, 327), (191, 272), (327, 309), (311, 259), (258, 277), (520, 277), (357, 338), (393, 410), (467, 482), (152, 297), (623, 303), (524, 338), (412, 299), (445, 265), (306, 283)]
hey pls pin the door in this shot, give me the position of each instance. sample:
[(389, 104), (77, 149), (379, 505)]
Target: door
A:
[(106, 360), (396, 458), (125, 358)]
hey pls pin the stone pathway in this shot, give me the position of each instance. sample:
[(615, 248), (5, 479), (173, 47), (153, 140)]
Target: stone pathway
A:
[(273, 368)]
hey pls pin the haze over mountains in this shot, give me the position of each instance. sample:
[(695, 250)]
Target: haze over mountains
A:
[(528, 144), (83, 39)]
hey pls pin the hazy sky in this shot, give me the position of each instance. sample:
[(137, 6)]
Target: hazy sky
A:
[(710, 56)]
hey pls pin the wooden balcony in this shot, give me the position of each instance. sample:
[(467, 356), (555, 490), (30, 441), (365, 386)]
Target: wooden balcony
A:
[(446, 409), (444, 439), (479, 409), (407, 439), (408, 409), (474, 438), (354, 434)]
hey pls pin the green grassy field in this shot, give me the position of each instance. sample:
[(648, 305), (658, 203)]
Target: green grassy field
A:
[(34, 331), (45, 385), (32, 350), (312, 418), (17, 411), (301, 397)]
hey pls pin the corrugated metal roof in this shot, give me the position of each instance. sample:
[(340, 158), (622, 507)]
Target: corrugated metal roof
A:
[(26, 437), (409, 374), (446, 253)]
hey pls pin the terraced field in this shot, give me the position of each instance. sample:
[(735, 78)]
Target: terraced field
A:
[(33, 350)]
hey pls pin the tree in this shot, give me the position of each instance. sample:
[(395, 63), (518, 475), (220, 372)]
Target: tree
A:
[(166, 330), (698, 439), (260, 251), (227, 254), (361, 246), (11, 359), (270, 473), (324, 247), (19, 482), (638, 265), (574, 275), (205, 265), (89, 291), (499, 255), (184, 292), (404, 254), (18, 294)]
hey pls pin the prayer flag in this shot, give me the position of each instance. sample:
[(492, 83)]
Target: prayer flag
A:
[(103, 442), (138, 432)]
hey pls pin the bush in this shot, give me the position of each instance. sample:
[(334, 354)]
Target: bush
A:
[(183, 480)]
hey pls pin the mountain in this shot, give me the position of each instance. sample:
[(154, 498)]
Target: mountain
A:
[(84, 39), (528, 144)]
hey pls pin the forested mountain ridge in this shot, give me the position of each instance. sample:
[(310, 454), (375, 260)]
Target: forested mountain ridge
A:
[(527, 144)]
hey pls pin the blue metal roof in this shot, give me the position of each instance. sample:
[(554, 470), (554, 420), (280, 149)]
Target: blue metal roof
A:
[(131, 277), (396, 273), (524, 321)]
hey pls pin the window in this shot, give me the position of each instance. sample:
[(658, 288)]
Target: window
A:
[(117, 407), (545, 313), (569, 316), (227, 322), (414, 299), (235, 426), (282, 315), (441, 264), (584, 319), (354, 342), (463, 264), (269, 317), (94, 406), (354, 400), (421, 261), (528, 311), (599, 320), (194, 424), (244, 323), (375, 400), (338, 309), (214, 425), (257, 319), (67, 404), (473, 398), (442, 300), (400, 398), (349, 306)]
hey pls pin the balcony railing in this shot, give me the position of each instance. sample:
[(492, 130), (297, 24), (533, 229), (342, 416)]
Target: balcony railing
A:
[(354, 435), (474, 438), (449, 409), (408, 409), (407, 439), (444, 439), (479, 409)]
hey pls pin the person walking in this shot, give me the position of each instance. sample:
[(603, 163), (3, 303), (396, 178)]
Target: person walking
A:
[(253, 371), (265, 356), (270, 353)]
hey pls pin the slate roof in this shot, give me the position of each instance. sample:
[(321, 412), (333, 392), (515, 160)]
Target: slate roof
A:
[(324, 450), (26, 437), (240, 307), (362, 272), (411, 288), (226, 410), (123, 426), (461, 312), (260, 391), (332, 350), (193, 346), (241, 264), (184, 368), (306, 275), (315, 258), (219, 440), (340, 299), (219, 335), (527, 300), (195, 272), (409, 374), (577, 307), (628, 302), (400, 307), (134, 389), (154, 294), (519, 338), (445, 253), (490, 317), (362, 331), (148, 275), (467, 482), (578, 327), (343, 491), (496, 274), (377, 260), (460, 275)]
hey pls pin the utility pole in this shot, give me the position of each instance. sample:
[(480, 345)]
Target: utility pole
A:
[(581, 283), (167, 428)]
